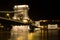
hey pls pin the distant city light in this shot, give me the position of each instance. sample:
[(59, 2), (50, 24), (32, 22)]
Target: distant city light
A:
[(43, 20)]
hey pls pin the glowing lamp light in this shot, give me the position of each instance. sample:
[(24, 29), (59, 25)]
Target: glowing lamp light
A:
[(25, 21), (14, 18), (7, 14)]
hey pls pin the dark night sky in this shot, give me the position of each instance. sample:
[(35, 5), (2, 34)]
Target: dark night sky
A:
[(41, 9)]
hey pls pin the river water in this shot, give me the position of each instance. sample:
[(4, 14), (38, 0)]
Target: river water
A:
[(36, 35)]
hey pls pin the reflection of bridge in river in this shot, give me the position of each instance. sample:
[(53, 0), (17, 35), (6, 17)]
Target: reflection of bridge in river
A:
[(37, 35)]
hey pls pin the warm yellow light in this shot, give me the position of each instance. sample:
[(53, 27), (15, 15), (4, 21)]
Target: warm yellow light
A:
[(1, 26), (25, 21), (7, 14), (14, 18), (18, 18), (30, 36), (43, 20), (41, 26), (21, 6)]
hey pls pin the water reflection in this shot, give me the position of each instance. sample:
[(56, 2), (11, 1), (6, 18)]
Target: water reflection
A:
[(37, 35), (46, 35), (4, 35), (19, 32)]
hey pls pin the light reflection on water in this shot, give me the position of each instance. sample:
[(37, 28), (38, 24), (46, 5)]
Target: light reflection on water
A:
[(19, 32), (37, 35)]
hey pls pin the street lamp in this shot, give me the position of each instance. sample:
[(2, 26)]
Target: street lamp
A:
[(8, 15)]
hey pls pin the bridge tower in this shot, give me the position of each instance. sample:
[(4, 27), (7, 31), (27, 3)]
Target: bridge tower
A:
[(21, 12)]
